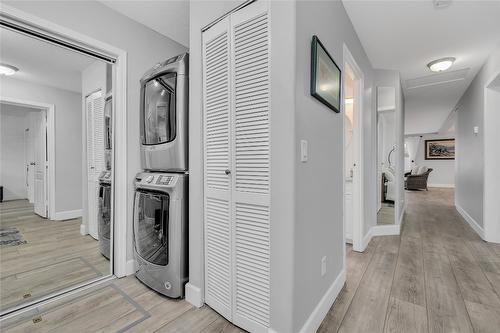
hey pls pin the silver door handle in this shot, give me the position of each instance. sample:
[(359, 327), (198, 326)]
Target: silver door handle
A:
[(227, 172)]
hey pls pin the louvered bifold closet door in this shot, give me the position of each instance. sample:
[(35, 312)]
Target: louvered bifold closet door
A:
[(217, 187), (250, 34)]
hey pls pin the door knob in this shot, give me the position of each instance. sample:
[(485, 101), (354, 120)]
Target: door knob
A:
[(227, 172)]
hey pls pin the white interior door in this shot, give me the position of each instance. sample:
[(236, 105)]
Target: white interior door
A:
[(236, 94), (40, 167), (216, 106), (94, 105)]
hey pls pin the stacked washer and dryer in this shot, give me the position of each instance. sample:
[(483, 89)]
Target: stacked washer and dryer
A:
[(161, 190)]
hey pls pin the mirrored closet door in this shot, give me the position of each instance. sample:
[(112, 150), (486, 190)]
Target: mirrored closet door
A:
[(56, 169)]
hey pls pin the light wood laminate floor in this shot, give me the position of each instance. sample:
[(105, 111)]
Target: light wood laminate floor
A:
[(56, 256), (439, 276)]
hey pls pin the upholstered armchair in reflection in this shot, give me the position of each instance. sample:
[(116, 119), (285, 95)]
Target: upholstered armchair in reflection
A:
[(417, 179)]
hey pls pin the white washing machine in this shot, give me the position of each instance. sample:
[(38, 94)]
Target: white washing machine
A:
[(161, 231)]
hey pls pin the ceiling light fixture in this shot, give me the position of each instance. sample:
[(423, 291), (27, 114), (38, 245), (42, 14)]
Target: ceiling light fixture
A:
[(441, 64), (7, 69)]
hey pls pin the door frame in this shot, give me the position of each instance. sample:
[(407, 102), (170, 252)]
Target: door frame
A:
[(358, 180), (50, 192), (491, 229)]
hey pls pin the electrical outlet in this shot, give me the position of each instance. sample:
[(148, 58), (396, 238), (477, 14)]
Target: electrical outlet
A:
[(323, 266)]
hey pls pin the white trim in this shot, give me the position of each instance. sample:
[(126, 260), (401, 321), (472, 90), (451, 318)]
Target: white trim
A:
[(358, 181), (491, 219), (68, 215), (51, 147), (385, 230), (83, 230), (320, 311), (473, 223), (119, 173), (441, 185), (130, 269), (193, 295), (368, 237), (402, 215)]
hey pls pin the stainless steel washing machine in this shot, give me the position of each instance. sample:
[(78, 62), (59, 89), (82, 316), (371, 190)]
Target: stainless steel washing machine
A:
[(164, 116), (104, 223), (161, 231)]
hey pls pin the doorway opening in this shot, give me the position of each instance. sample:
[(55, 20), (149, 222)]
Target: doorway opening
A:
[(353, 86)]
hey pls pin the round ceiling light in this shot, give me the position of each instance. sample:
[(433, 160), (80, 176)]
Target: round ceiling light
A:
[(7, 69), (441, 64)]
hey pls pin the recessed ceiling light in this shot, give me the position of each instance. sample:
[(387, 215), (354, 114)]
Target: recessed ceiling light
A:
[(441, 64), (7, 69)]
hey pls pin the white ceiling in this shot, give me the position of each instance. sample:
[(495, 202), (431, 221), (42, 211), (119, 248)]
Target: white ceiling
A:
[(41, 62), (168, 17), (406, 35)]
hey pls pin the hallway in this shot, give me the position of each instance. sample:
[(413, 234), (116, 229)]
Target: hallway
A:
[(438, 277)]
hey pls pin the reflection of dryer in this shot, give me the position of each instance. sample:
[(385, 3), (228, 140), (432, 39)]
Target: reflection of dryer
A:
[(104, 217), (164, 116), (160, 231)]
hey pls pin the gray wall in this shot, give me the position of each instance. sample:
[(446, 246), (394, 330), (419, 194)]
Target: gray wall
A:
[(470, 147), (144, 48), (443, 172), (68, 136), (318, 189)]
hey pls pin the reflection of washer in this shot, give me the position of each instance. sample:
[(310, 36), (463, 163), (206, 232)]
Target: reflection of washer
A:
[(104, 223), (160, 231), (164, 116)]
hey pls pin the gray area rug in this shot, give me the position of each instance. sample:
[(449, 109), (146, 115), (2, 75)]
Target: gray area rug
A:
[(11, 236)]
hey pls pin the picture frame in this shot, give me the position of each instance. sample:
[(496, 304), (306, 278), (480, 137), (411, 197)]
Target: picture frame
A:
[(325, 76), (440, 149)]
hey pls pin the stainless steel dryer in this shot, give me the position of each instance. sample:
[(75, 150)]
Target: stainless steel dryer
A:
[(104, 223), (164, 116), (161, 231)]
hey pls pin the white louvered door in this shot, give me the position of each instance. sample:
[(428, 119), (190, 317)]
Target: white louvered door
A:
[(216, 105), (237, 225), (94, 104)]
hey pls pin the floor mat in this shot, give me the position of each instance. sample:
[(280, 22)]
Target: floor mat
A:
[(11, 236)]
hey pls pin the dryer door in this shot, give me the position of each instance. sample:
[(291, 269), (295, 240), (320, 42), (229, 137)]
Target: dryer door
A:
[(104, 211), (151, 221), (159, 114)]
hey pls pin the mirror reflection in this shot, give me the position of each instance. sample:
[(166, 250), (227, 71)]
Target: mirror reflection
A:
[(386, 146), (56, 116)]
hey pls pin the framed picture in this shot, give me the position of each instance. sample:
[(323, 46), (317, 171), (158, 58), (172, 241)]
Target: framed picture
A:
[(325, 76), (443, 149)]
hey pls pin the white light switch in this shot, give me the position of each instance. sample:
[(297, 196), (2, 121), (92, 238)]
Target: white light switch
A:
[(323, 266), (303, 150), (476, 129)]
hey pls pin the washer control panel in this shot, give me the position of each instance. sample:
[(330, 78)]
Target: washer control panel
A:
[(159, 179)]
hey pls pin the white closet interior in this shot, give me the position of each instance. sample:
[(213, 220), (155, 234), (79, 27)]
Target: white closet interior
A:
[(94, 106), (236, 103)]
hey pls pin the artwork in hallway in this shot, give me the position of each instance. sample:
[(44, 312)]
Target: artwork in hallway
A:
[(325, 76), (443, 149)]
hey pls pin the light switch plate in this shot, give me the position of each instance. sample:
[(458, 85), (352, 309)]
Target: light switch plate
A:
[(303, 151), (476, 129)]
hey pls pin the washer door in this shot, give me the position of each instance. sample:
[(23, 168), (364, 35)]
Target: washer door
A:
[(104, 211), (151, 220)]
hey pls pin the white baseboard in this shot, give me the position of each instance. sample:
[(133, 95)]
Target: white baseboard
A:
[(402, 215), (83, 230), (386, 230), (441, 185), (320, 311), (68, 215), (474, 225), (130, 267), (193, 295), (367, 239)]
